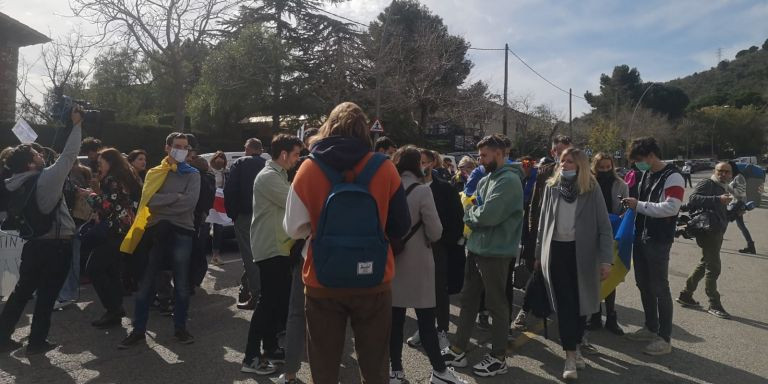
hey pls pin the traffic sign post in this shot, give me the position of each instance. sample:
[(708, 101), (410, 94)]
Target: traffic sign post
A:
[(377, 128)]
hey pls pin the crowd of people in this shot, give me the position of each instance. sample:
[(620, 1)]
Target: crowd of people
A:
[(337, 229)]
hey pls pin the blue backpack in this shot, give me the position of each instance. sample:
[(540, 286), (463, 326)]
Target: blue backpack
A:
[(350, 248)]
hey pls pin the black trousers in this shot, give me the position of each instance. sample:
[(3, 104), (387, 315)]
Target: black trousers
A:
[(44, 268), (443, 301), (104, 268), (565, 284), (427, 332), (271, 311)]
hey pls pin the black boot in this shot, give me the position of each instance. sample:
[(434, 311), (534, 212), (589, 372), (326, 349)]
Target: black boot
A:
[(595, 322), (612, 324), (750, 249)]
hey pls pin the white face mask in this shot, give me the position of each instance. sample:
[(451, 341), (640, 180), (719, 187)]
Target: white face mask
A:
[(180, 155)]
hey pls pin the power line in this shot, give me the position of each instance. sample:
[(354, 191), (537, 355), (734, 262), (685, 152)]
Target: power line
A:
[(542, 76), (474, 49), (486, 49), (340, 17)]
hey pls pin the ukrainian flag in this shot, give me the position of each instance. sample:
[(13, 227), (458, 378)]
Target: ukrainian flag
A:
[(624, 236)]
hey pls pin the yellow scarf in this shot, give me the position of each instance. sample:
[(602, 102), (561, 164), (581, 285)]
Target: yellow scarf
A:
[(154, 180)]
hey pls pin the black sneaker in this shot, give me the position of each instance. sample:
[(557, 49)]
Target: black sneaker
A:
[(248, 305), (166, 310), (686, 300), (10, 345), (109, 319), (133, 339), (37, 349), (595, 322), (183, 337), (718, 311), (275, 357)]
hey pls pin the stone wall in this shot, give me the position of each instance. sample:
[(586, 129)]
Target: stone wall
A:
[(9, 62)]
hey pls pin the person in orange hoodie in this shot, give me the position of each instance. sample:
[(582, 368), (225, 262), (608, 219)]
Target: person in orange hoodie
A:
[(343, 147)]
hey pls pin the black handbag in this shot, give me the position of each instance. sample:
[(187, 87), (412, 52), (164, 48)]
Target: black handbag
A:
[(521, 274), (537, 300)]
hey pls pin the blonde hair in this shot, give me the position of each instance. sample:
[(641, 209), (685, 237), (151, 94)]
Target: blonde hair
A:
[(585, 181), (347, 120), (467, 161), (604, 156)]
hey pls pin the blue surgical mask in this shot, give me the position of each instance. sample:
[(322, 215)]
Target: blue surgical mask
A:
[(568, 175)]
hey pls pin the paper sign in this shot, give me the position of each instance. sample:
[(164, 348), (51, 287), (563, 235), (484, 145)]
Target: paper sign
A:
[(377, 127), (24, 132)]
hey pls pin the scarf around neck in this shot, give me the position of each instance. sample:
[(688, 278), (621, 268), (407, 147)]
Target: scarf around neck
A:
[(568, 190)]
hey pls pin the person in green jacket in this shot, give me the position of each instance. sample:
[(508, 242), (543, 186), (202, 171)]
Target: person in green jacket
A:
[(270, 247), (496, 221)]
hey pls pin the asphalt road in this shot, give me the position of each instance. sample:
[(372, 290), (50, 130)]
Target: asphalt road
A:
[(706, 349)]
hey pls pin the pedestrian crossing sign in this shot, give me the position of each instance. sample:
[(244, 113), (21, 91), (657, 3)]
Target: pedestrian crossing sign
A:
[(377, 128)]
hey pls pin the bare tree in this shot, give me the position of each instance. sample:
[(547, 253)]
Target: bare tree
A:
[(164, 31), (67, 69)]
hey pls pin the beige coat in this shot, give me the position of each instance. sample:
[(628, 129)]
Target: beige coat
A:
[(594, 244), (414, 283)]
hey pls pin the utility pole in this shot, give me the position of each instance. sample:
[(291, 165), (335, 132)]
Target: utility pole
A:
[(570, 111), (506, 87)]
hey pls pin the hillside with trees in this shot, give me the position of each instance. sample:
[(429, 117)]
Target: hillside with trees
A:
[(739, 82)]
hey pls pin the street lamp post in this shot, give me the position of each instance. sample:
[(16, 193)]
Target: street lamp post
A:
[(632, 120)]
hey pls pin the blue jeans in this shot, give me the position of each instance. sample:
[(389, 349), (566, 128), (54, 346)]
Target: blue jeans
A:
[(180, 248), (71, 289)]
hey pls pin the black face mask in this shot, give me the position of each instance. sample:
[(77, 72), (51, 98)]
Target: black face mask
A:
[(605, 175)]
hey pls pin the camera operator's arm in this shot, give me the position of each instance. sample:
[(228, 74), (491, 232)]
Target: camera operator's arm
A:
[(51, 181), (674, 191)]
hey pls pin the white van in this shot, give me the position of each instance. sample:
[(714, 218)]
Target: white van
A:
[(747, 160)]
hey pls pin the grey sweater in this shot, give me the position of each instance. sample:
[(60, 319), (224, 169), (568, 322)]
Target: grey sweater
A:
[(50, 187), (175, 201)]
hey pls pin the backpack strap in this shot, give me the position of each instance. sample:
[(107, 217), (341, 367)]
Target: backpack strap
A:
[(411, 188), (333, 176), (373, 165)]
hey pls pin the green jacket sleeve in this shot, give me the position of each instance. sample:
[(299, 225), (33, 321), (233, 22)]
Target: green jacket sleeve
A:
[(504, 197)]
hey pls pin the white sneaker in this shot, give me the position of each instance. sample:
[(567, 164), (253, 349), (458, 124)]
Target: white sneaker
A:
[(490, 366), (642, 334), (397, 377), (453, 359), (447, 377), (658, 347), (442, 339), (414, 341), (570, 371)]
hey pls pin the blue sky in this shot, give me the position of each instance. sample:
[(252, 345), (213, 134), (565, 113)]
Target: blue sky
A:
[(570, 42)]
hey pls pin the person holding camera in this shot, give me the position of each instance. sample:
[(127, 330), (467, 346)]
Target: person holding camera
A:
[(41, 216), (711, 198), (660, 196)]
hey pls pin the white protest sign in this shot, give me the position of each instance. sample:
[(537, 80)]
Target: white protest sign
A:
[(24, 132), (10, 258)]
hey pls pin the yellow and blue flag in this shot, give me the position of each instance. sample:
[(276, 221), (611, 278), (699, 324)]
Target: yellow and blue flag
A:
[(624, 237)]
